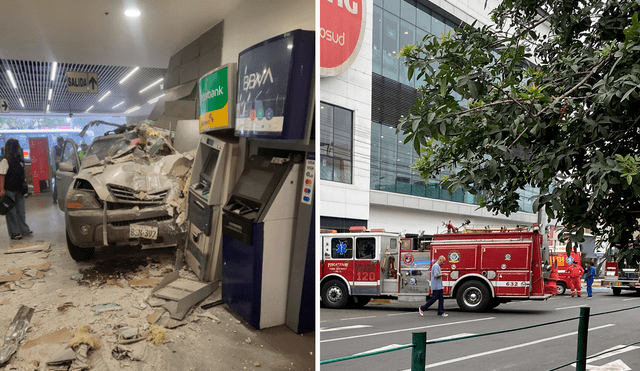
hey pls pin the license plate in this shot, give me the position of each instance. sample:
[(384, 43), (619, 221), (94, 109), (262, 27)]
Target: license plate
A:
[(143, 231)]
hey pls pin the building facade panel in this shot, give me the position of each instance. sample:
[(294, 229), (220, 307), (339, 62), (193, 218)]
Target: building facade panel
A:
[(376, 88), (351, 90)]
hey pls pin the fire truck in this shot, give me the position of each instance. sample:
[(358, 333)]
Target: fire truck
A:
[(483, 268), (562, 262), (620, 279)]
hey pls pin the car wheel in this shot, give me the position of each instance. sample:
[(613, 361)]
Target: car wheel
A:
[(562, 288), (335, 294), (473, 296), (616, 291), (79, 253)]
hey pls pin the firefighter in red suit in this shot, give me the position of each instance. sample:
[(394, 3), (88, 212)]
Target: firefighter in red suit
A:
[(575, 272)]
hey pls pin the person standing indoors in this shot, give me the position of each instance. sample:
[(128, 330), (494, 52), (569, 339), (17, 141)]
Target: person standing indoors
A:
[(82, 151), (437, 288), (11, 181), (575, 272), (589, 276), (56, 156)]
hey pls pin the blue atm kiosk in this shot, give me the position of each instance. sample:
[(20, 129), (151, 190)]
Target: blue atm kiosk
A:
[(265, 242), (258, 226)]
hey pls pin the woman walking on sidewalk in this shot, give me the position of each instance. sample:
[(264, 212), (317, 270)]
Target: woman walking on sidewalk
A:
[(11, 181)]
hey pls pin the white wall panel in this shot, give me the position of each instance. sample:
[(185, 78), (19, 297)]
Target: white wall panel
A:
[(352, 90), (257, 20)]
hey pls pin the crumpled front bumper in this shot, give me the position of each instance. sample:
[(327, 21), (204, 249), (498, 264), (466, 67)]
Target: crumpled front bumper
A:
[(85, 227)]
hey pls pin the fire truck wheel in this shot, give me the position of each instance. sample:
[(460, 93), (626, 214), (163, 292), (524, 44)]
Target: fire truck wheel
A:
[(335, 294), (473, 296), (562, 287), (616, 291)]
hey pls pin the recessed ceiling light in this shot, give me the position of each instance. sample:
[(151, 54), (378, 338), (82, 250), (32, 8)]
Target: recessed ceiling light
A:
[(13, 82), (47, 108), (153, 84), (155, 99), (129, 75), (54, 70), (21, 102), (104, 96), (132, 12), (89, 109), (132, 109), (118, 104), (50, 93)]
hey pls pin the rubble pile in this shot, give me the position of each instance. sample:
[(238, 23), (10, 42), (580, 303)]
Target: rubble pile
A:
[(109, 324)]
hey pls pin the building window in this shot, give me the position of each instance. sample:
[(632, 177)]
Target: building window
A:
[(336, 143)]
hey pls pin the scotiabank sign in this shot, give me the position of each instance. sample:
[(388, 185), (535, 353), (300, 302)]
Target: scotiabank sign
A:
[(342, 24)]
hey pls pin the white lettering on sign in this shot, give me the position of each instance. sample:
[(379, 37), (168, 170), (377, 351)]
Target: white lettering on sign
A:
[(250, 81), (331, 36), (211, 94), (351, 7)]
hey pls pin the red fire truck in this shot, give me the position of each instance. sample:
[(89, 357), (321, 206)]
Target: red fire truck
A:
[(481, 270), (619, 279), (562, 263)]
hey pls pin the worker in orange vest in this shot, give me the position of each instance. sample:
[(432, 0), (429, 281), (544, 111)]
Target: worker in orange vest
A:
[(575, 272)]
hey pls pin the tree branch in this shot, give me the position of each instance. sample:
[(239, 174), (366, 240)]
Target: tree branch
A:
[(538, 23), (513, 99), (584, 80)]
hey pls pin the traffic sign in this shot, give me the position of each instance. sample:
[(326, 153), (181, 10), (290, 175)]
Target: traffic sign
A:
[(4, 106), (82, 82)]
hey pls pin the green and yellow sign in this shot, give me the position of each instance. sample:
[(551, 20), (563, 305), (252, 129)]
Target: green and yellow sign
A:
[(214, 100)]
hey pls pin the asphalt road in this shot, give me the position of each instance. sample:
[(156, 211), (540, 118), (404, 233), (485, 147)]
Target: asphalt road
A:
[(346, 332)]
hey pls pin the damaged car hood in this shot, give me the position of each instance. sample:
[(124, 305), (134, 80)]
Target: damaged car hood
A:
[(138, 179)]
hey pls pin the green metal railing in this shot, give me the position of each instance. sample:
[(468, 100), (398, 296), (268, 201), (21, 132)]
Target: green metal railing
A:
[(419, 343)]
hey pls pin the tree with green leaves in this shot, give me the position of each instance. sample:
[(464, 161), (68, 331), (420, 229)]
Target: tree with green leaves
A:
[(550, 98)]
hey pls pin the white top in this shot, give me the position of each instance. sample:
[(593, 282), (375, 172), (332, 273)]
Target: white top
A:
[(4, 166)]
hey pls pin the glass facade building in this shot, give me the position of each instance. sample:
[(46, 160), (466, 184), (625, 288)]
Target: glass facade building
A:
[(397, 23)]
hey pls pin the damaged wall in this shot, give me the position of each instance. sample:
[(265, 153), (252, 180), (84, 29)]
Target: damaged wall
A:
[(194, 60), (223, 42)]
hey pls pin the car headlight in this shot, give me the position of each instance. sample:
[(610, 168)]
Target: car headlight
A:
[(79, 199)]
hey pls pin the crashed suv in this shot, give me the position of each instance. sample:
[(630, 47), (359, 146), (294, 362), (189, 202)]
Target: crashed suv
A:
[(127, 190)]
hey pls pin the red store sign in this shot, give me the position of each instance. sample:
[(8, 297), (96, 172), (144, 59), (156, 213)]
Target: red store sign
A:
[(342, 25)]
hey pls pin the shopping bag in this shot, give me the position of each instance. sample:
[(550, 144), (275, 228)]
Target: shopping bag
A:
[(6, 203)]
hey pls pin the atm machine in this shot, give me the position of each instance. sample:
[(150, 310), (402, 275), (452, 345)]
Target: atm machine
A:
[(265, 241), (258, 225), (214, 173)]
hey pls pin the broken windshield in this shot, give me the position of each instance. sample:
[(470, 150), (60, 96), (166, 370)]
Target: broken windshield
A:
[(102, 147)]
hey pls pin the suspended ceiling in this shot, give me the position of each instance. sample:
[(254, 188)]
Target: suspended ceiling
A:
[(95, 36)]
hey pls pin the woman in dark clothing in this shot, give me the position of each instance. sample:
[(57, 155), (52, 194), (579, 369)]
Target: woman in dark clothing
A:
[(11, 181)]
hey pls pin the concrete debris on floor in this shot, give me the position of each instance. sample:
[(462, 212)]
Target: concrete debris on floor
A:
[(105, 318)]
